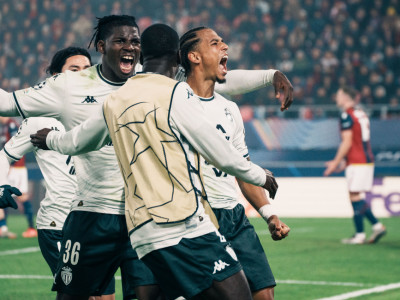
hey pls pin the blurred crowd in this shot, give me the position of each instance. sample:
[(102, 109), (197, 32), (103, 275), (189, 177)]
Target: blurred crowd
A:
[(318, 44)]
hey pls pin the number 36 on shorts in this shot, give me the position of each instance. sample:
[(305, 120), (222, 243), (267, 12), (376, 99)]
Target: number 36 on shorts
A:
[(71, 253)]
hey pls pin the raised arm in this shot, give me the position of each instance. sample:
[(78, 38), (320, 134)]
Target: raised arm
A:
[(245, 81)]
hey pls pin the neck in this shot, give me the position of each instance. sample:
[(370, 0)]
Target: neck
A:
[(110, 75), (162, 67), (200, 85)]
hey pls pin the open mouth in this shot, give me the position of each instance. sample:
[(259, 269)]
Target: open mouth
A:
[(126, 63), (222, 64)]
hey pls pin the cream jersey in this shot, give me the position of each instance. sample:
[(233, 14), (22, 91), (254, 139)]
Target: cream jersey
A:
[(57, 169), (72, 97), (227, 121)]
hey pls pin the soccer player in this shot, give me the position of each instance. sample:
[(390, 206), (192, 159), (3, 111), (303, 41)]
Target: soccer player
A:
[(156, 133), (71, 58), (17, 177), (356, 155), (95, 237), (204, 57), (58, 170), (144, 238)]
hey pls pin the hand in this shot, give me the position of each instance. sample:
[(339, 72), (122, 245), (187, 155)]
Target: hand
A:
[(280, 82), (6, 199), (277, 228), (331, 167), (270, 184), (39, 138)]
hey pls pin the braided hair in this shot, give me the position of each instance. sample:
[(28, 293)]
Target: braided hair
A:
[(188, 42), (106, 24)]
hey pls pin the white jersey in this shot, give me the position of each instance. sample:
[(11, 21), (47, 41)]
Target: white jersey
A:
[(193, 128), (57, 169), (225, 115), (72, 97)]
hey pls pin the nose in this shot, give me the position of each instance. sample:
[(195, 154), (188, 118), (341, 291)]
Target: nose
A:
[(224, 46)]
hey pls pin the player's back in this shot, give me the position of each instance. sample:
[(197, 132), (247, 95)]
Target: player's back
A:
[(360, 151)]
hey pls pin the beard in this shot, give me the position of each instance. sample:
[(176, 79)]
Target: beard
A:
[(220, 81)]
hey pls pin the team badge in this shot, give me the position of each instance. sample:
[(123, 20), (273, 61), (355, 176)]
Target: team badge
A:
[(228, 114), (66, 275)]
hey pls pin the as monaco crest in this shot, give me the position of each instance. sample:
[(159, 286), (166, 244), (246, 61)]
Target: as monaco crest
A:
[(66, 275)]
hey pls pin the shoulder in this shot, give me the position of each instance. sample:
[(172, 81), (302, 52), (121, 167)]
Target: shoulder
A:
[(228, 104)]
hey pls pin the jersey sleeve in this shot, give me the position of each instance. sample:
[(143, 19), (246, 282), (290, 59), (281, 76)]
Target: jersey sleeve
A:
[(5, 162), (8, 108), (346, 122), (44, 99), (20, 143), (190, 120), (239, 138), (88, 136), (245, 81)]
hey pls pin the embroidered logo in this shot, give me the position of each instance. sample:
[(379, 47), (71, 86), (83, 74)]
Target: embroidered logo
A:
[(66, 275), (89, 99), (53, 224), (80, 203), (228, 114), (219, 265)]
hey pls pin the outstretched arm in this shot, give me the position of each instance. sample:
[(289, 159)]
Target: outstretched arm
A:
[(88, 136), (245, 81)]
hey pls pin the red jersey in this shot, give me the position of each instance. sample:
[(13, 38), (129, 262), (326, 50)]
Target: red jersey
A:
[(357, 121), (7, 131)]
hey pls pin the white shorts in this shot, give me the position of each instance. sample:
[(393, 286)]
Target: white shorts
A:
[(360, 177), (18, 177)]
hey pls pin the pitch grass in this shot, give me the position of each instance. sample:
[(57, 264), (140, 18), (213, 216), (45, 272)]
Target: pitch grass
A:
[(312, 252)]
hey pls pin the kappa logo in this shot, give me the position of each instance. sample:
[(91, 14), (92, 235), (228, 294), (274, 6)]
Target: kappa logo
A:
[(1, 192), (89, 99), (66, 275), (220, 265)]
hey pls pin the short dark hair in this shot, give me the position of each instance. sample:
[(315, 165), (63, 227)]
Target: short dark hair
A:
[(106, 24), (159, 40), (61, 56), (348, 90), (188, 42)]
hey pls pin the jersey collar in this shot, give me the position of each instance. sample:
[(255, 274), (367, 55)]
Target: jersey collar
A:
[(98, 68), (207, 99)]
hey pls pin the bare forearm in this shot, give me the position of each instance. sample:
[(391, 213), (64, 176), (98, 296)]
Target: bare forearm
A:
[(342, 152), (255, 195)]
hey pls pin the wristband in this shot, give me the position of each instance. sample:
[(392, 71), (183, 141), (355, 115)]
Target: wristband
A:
[(267, 211)]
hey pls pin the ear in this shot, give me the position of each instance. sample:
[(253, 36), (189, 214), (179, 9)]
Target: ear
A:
[(101, 46), (194, 57)]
